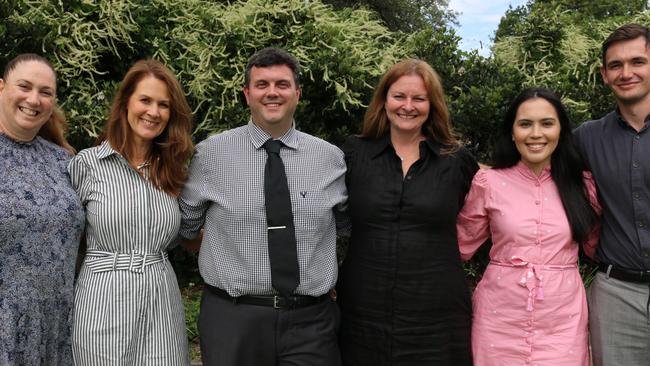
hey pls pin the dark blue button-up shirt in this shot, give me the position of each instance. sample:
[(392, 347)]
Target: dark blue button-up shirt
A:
[(619, 158)]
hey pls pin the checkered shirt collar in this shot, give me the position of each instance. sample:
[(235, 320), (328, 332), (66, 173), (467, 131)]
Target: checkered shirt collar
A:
[(258, 136)]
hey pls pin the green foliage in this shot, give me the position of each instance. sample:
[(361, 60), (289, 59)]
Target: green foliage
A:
[(207, 44), (479, 101), (476, 88), (517, 20), (405, 15), (549, 44), (191, 295)]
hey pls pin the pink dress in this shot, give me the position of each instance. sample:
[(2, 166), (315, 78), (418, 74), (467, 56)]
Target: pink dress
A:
[(530, 307)]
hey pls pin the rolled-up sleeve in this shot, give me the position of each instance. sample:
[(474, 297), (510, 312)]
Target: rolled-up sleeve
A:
[(193, 201), (473, 222), (80, 177), (592, 241)]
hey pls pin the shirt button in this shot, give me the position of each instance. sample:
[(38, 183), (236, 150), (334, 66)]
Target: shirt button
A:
[(637, 137), (408, 177), (636, 195), (635, 164), (537, 202), (536, 184), (640, 224)]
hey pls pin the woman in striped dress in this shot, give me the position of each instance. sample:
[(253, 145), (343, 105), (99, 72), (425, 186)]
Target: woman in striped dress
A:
[(128, 308)]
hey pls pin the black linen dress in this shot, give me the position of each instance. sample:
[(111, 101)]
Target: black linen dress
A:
[(402, 290)]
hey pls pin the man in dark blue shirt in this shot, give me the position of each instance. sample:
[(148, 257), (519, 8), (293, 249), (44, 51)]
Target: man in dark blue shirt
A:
[(617, 150)]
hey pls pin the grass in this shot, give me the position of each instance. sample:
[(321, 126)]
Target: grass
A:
[(192, 302)]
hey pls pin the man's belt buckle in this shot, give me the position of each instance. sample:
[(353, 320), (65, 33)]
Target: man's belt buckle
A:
[(276, 302)]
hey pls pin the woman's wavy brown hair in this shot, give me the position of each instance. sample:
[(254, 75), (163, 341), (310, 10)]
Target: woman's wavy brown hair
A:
[(437, 126), (173, 147), (54, 129)]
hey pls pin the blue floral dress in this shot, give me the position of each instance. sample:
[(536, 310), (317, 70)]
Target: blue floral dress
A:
[(41, 221)]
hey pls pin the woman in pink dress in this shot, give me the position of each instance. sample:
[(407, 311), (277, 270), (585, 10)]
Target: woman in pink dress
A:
[(537, 204)]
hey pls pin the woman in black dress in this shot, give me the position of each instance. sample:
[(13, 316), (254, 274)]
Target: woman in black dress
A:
[(402, 289)]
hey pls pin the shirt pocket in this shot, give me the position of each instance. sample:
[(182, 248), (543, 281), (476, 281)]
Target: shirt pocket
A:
[(312, 211)]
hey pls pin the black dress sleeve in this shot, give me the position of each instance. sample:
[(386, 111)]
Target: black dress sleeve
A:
[(468, 167), (349, 148)]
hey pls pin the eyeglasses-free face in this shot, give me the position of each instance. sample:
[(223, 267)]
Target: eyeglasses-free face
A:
[(536, 132), (27, 99)]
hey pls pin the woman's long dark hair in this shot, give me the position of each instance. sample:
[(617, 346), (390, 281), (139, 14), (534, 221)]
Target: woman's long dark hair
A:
[(567, 165)]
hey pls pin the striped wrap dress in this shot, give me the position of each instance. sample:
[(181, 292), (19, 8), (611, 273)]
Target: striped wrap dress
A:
[(128, 308)]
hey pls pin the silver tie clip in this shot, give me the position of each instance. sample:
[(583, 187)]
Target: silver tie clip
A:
[(276, 227)]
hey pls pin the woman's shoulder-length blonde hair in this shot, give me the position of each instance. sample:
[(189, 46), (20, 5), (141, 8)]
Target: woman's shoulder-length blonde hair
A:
[(437, 126), (173, 147)]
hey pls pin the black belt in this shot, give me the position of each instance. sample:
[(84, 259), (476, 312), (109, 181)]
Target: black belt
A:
[(623, 274), (277, 302)]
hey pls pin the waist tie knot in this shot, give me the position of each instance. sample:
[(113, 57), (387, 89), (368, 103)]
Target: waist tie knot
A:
[(135, 261), (532, 277)]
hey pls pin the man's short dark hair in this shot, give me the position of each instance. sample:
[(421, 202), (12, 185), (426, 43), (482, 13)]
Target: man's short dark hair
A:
[(272, 56), (625, 32)]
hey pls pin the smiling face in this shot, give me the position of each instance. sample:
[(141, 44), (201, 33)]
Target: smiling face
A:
[(27, 99), (627, 71), (536, 132), (407, 105), (272, 96), (148, 110)]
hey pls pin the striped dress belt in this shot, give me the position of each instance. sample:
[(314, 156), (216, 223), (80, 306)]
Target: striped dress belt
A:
[(135, 261)]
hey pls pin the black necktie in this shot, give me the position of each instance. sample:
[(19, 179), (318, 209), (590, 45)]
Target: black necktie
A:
[(285, 274)]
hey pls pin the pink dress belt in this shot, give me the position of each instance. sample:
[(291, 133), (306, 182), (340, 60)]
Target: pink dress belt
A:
[(531, 276)]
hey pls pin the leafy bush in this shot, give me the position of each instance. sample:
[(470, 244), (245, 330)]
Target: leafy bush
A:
[(207, 44), (554, 47)]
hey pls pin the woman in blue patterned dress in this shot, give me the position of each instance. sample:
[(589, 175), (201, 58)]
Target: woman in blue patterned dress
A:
[(128, 308), (41, 219)]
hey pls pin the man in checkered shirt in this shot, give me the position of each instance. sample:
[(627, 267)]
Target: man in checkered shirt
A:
[(243, 321)]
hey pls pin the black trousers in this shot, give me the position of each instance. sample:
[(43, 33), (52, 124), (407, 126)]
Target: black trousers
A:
[(251, 335)]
